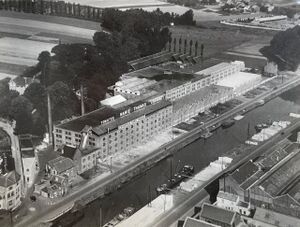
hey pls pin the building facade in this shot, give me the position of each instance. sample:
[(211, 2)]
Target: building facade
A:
[(115, 129), (10, 191)]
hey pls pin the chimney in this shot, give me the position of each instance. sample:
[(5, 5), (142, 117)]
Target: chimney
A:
[(82, 100), (50, 126), (84, 139)]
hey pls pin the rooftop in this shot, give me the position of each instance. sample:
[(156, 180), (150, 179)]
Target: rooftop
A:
[(111, 116), (113, 100), (150, 60), (244, 172), (214, 68), (274, 218), (9, 179), (61, 164), (192, 222), (282, 175), (205, 93), (68, 151), (221, 215), (228, 196)]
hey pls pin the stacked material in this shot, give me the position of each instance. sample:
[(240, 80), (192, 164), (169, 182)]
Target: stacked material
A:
[(267, 133), (210, 171)]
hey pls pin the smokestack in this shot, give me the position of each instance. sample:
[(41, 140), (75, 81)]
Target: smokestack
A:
[(50, 125), (82, 100)]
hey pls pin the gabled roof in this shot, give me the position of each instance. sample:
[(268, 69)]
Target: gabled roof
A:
[(214, 213), (61, 164), (68, 152), (9, 179), (192, 222), (243, 173)]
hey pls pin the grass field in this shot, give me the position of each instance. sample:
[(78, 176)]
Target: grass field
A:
[(118, 3), (53, 19)]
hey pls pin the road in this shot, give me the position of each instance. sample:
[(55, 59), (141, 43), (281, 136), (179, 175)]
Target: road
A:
[(93, 187), (174, 214)]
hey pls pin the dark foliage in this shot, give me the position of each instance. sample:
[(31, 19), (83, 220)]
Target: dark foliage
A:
[(284, 49)]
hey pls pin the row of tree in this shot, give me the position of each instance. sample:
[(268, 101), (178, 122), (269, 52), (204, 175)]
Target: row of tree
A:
[(60, 8)]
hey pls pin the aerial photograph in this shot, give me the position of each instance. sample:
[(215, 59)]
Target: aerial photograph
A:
[(149, 113)]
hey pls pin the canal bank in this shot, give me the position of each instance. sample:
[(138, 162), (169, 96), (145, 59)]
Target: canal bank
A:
[(198, 153)]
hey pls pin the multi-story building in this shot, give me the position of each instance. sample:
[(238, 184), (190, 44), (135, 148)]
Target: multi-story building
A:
[(61, 166), (118, 128), (173, 85), (10, 191), (199, 101)]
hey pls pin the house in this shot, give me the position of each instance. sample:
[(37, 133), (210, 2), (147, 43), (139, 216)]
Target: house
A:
[(10, 191), (193, 222), (83, 159), (233, 202), (63, 167), (219, 216)]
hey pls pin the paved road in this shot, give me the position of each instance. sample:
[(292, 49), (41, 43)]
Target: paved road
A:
[(94, 187)]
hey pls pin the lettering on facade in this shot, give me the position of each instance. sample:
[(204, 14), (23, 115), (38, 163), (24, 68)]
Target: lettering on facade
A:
[(107, 120), (139, 107), (124, 113)]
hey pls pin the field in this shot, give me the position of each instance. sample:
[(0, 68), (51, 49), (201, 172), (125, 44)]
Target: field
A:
[(30, 27), (119, 3), (17, 54)]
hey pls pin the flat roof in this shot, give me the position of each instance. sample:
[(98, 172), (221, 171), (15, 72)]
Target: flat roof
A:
[(213, 68), (238, 79), (113, 100)]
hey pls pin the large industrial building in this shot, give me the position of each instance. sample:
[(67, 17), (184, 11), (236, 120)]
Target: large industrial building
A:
[(271, 183), (173, 85), (116, 128)]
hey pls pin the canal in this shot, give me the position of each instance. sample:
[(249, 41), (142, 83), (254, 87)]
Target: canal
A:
[(200, 154)]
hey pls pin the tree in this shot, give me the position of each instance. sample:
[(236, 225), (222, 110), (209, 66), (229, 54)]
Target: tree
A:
[(284, 49), (21, 111), (63, 100)]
